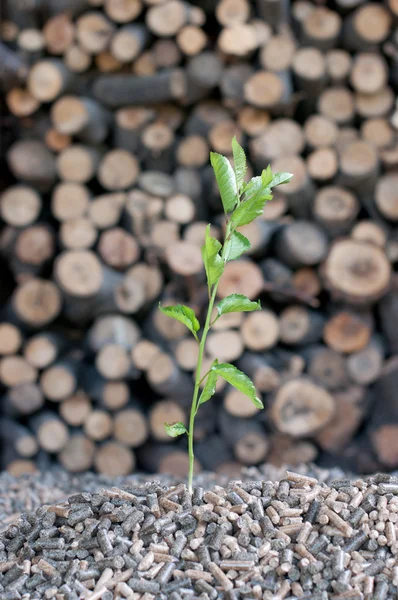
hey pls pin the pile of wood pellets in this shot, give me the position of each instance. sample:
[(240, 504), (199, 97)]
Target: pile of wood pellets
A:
[(296, 538)]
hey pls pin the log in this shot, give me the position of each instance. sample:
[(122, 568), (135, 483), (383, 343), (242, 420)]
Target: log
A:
[(20, 205), (368, 231), (117, 248), (163, 458), (241, 277), (293, 251), (164, 54), (15, 371), (299, 192), (21, 103), (59, 381), (364, 367), (51, 433), (227, 345), (77, 234), (143, 353), (164, 411), (69, 201), (77, 455), (14, 69), (114, 460), (337, 103), (120, 90), (300, 326), (94, 31), (42, 349), (18, 437), (128, 42), (167, 379), (382, 428), (77, 163), (238, 405), (25, 399), (335, 209), (31, 162), (320, 131), (98, 425), (280, 137), (113, 362), (36, 302), (338, 66), (80, 116), (267, 90), (300, 408), (369, 73), (58, 33), (321, 28), (191, 40), (356, 272), (260, 330), (375, 105), (186, 354), (278, 53), (123, 11), (272, 11), (48, 79), (10, 339), (386, 197), (76, 59), (75, 409), (309, 69), (247, 438), (230, 12), (261, 371), (327, 368), (323, 164), (130, 427), (378, 131), (129, 125), (367, 27), (347, 332)]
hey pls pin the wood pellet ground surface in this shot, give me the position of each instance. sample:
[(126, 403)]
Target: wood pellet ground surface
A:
[(296, 538)]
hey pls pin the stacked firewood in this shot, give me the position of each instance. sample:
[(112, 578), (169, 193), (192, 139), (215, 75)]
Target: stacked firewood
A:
[(114, 106)]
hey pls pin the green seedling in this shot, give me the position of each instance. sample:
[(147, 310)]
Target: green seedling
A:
[(242, 202)]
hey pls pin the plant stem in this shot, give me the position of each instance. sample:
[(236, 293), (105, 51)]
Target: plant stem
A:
[(198, 378)]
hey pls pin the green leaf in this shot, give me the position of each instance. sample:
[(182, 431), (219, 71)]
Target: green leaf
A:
[(210, 386), (236, 245), (280, 178), (239, 162), (226, 181), (214, 264), (251, 208), (184, 314), (266, 176), (238, 380), (236, 303), (175, 429)]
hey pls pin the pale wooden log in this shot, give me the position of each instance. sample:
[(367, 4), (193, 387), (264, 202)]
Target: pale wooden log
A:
[(350, 409), (58, 33), (14, 69), (36, 302), (309, 69), (121, 90), (231, 12), (227, 321), (280, 137), (300, 326), (128, 42), (227, 346), (129, 124), (80, 116), (130, 427), (165, 54), (77, 59), (191, 40), (109, 395), (369, 73), (268, 90), (113, 329), (118, 248), (144, 65), (123, 11), (113, 362), (278, 53), (30, 250), (167, 379), (337, 103), (18, 468), (18, 437), (77, 163), (321, 28), (261, 371), (98, 425), (388, 309), (238, 40), (365, 366), (357, 272), (220, 135), (241, 277), (386, 196), (299, 192), (15, 371), (320, 131), (107, 63), (184, 258), (105, 210), (186, 353), (156, 151), (253, 121), (52, 434), (69, 201), (347, 332), (359, 166), (327, 368), (378, 131), (59, 381), (10, 339), (21, 103), (42, 349), (94, 31), (31, 162), (143, 353), (77, 234), (75, 409), (307, 282), (338, 66), (322, 164), (335, 208), (164, 411), (367, 27), (31, 43), (25, 399), (260, 330), (247, 438), (20, 205), (166, 19), (114, 460), (130, 295), (118, 170), (48, 79), (238, 404), (375, 105), (300, 408), (56, 141), (301, 243), (192, 151), (368, 231), (150, 277), (77, 455)]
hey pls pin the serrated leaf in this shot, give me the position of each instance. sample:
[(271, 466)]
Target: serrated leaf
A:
[(266, 176), (226, 181), (236, 303), (184, 314), (214, 264), (238, 380), (236, 246), (251, 208), (210, 386), (239, 162), (175, 429), (280, 178)]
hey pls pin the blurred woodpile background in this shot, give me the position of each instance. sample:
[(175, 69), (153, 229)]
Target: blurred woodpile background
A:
[(109, 112)]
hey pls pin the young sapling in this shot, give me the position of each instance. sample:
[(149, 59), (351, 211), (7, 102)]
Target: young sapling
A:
[(242, 202)]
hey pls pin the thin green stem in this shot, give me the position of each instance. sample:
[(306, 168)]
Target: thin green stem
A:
[(198, 378)]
